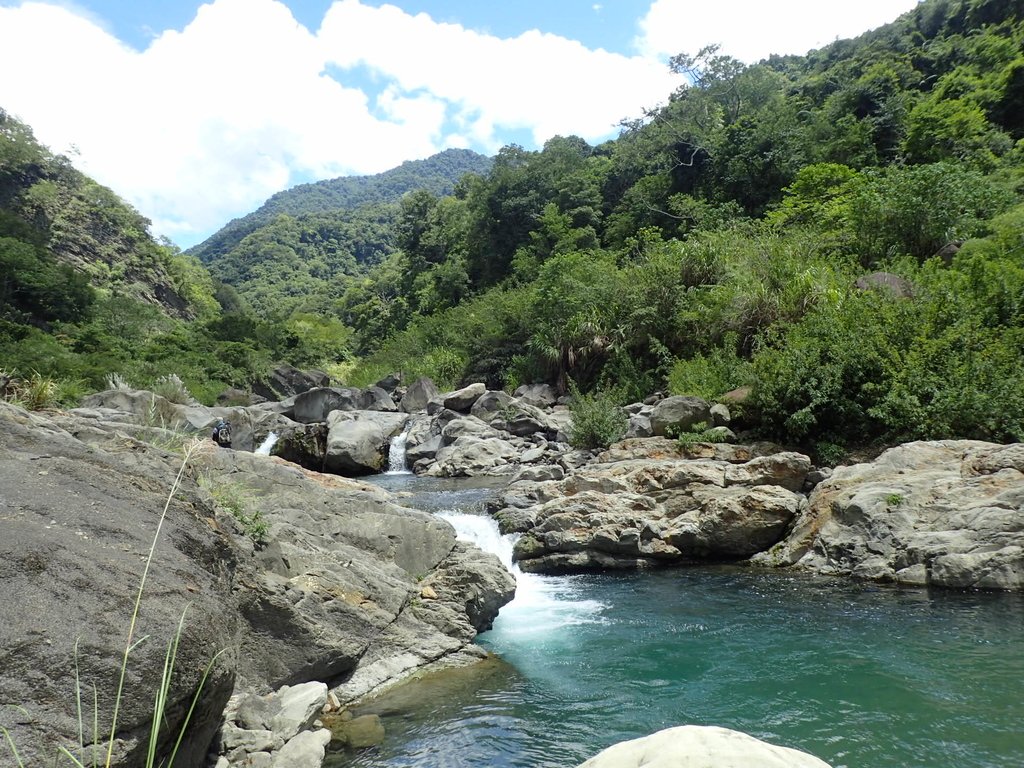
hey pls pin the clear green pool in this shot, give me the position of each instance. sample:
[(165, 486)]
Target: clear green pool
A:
[(860, 676)]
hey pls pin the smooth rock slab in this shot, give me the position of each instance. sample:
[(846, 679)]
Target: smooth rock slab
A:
[(696, 746)]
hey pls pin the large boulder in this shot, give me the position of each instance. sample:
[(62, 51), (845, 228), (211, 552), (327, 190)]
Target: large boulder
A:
[(358, 441), (418, 395), (490, 403), (82, 502), (698, 746), (302, 576), (679, 413), (286, 381), (469, 456), (316, 404), (377, 399), (537, 395), (645, 503), (462, 400), (945, 513)]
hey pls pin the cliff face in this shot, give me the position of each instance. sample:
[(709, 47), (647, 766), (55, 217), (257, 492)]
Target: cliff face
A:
[(335, 589)]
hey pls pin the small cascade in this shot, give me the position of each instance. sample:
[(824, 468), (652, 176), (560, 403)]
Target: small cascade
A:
[(267, 445), (543, 604), (396, 454)]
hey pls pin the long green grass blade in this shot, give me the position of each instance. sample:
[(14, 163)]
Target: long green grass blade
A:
[(14, 749), (138, 602), (192, 707)]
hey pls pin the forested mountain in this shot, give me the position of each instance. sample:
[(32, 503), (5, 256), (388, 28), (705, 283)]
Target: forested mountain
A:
[(436, 174), (721, 239), (842, 232), (86, 292)]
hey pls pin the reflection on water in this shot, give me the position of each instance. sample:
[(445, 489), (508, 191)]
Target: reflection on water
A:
[(858, 675)]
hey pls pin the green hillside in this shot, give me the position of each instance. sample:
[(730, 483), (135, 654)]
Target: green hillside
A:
[(86, 292), (719, 241), (436, 174), (842, 232)]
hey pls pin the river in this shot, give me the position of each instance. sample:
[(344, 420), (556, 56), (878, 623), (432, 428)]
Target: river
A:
[(859, 675)]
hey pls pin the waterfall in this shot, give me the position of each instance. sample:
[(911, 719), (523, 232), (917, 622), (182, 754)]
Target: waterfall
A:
[(396, 454), (543, 604), (267, 445)]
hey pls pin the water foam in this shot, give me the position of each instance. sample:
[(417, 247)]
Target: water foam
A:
[(267, 445), (543, 604), (396, 453)]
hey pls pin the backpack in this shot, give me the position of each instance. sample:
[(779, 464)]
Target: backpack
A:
[(222, 434)]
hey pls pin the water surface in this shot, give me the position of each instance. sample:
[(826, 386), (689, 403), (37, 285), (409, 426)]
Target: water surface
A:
[(861, 676)]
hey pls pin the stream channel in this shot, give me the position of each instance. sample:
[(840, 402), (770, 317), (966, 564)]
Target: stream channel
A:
[(859, 675)]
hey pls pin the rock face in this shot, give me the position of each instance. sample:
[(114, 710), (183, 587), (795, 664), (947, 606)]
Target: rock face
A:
[(77, 522), (695, 746), (643, 503), (357, 442), (330, 591), (948, 513)]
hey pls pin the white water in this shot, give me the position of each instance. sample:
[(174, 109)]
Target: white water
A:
[(396, 454), (266, 445), (543, 604)]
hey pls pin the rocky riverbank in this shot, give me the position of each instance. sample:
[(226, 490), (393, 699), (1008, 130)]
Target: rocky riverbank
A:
[(293, 576), (299, 576)]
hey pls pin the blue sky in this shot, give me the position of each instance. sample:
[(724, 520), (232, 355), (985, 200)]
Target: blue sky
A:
[(197, 112)]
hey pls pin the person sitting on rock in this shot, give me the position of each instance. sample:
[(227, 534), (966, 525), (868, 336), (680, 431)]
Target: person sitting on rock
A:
[(222, 434)]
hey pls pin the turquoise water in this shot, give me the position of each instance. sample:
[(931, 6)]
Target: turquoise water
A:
[(862, 677)]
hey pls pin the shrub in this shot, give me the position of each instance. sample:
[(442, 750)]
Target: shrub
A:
[(237, 500), (699, 433), (173, 389), (597, 420), (712, 374)]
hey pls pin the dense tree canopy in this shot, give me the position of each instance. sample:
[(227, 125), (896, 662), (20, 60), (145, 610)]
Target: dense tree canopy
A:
[(841, 231)]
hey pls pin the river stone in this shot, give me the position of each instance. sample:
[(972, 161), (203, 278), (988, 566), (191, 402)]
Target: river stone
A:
[(314, 405), (462, 400), (639, 426), (307, 750), (490, 403), (537, 395), (644, 503), (286, 381), (418, 395), (377, 399), (425, 451), (720, 416), (679, 413), (696, 746), (355, 732), (297, 707), (390, 383), (469, 456)]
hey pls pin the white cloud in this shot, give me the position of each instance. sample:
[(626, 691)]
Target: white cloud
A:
[(751, 30), (207, 122)]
